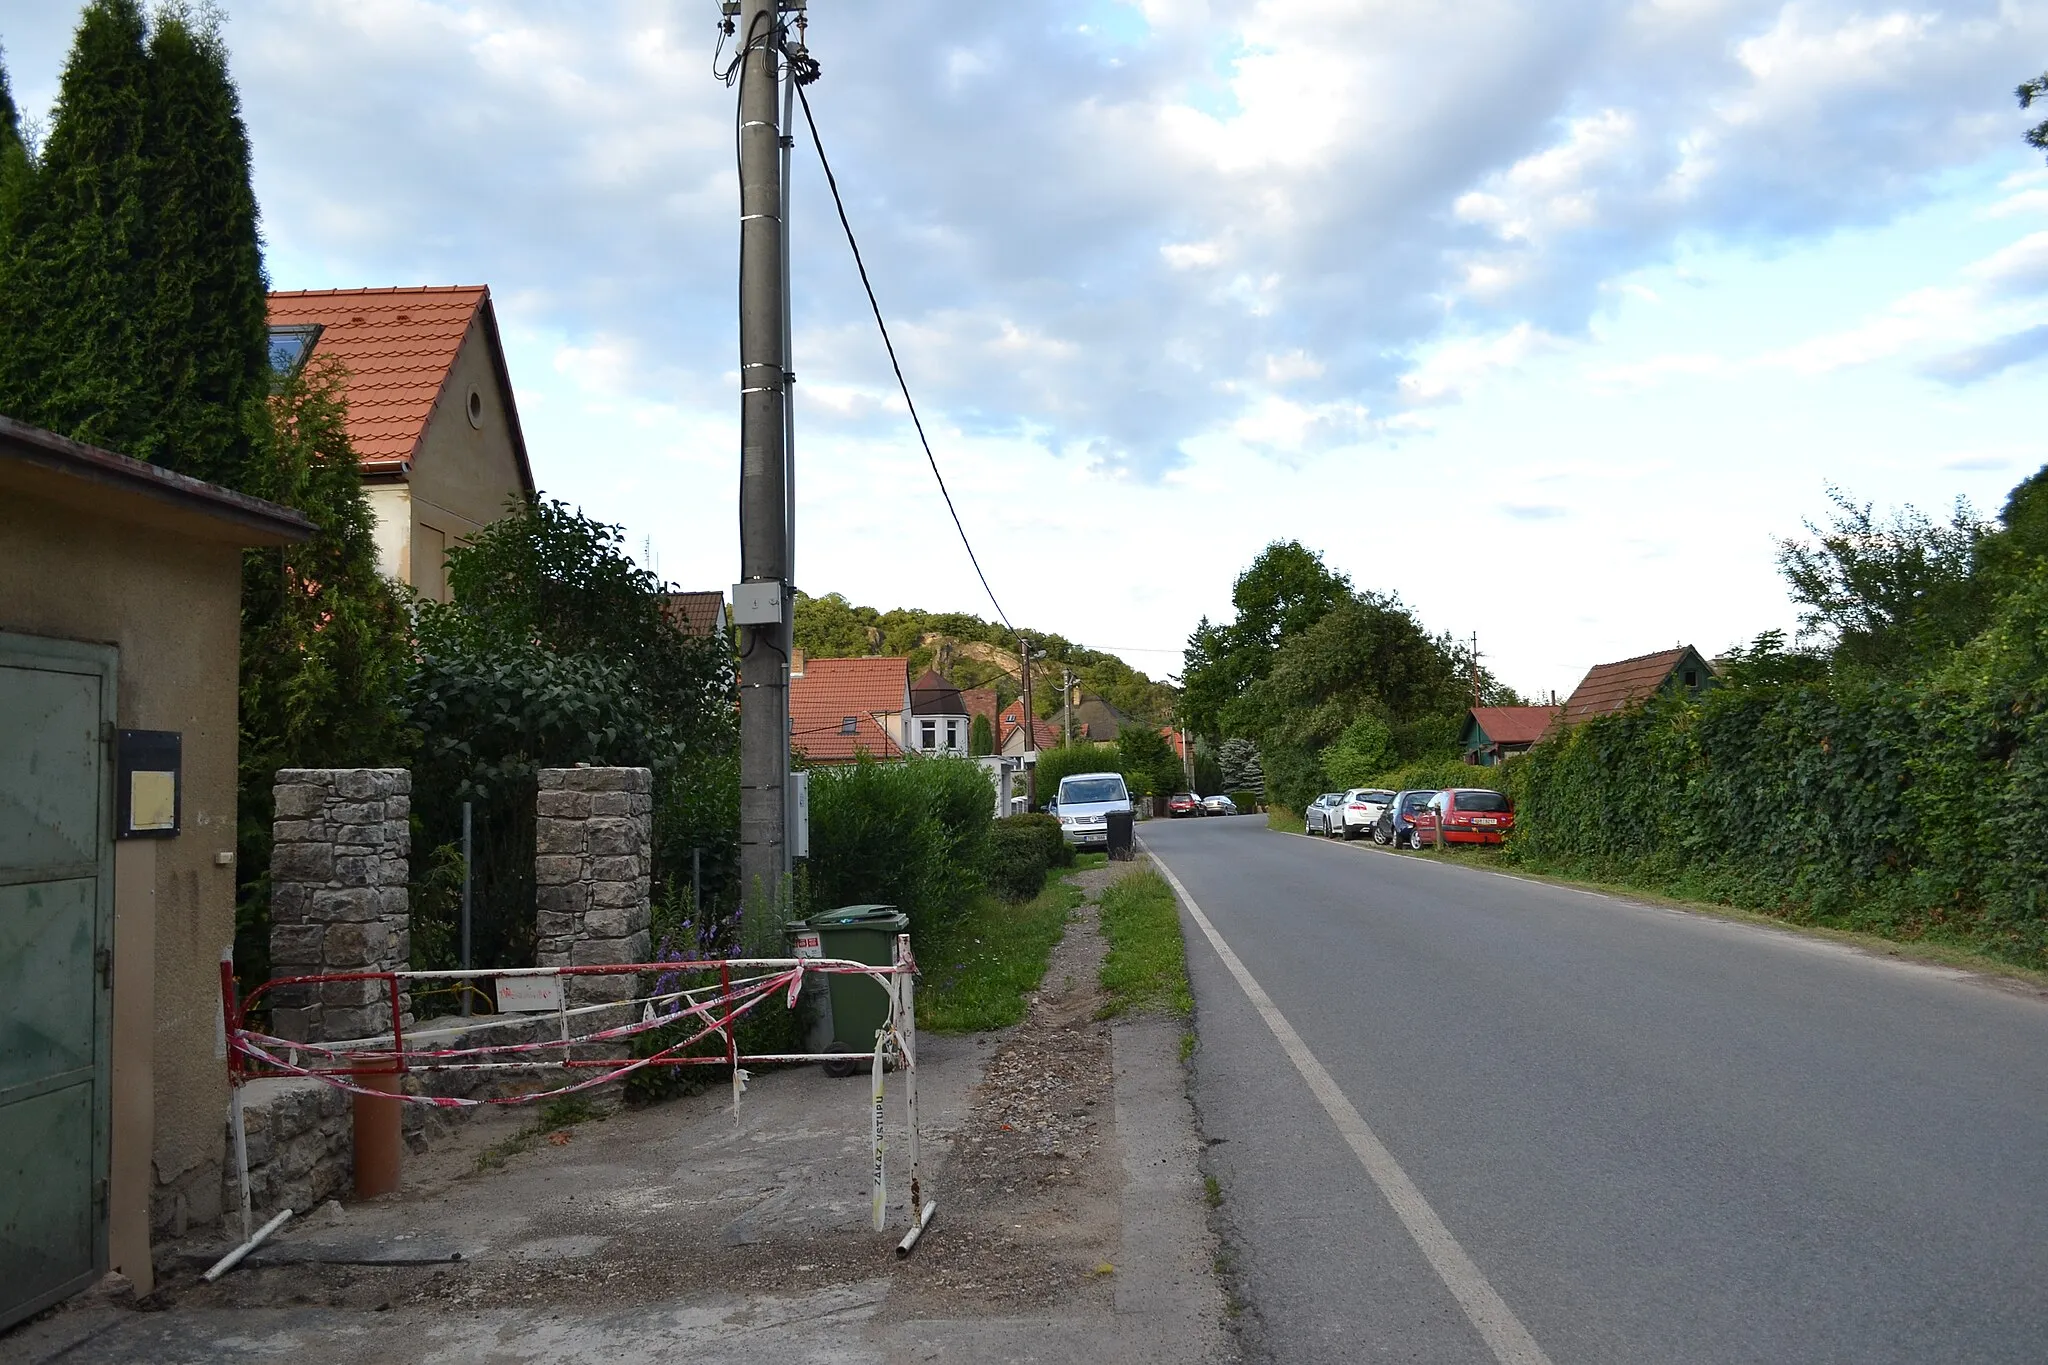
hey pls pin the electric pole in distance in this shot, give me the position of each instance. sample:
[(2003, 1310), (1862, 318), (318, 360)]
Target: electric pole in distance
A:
[(1030, 726), (760, 597)]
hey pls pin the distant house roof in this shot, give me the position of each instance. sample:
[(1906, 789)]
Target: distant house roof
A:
[(1512, 724), (836, 706), (932, 695), (398, 346), (1101, 720), (1608, 688), (981, 701), (701, 614)]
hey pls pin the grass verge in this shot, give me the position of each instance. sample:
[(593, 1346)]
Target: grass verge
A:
[(976, 973), (1957, 953), (1147, 966), (1281, 818)]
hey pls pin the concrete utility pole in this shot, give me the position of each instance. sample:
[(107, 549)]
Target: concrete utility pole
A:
[(761, 599), (1067, 702), (1030, 726)]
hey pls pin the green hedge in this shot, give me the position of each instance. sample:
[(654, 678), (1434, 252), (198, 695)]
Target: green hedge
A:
[(1068, 759), (1442, 774), (1908, 808), (912, 834), (1022, 849)]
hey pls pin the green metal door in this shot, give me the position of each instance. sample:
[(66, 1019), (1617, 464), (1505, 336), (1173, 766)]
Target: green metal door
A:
[(56, 953)]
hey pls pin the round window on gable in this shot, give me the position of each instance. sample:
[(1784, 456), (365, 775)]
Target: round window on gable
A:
[(476, 409)]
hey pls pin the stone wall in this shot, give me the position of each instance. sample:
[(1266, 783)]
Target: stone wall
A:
[(593, 839), (338, 871)]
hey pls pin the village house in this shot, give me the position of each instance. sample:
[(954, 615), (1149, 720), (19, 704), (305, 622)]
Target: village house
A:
[(430, 412), (1608, 688), (840, 709), (1492, 733)]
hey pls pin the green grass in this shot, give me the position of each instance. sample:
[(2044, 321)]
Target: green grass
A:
[(1281, 818), (1085, 861), (976, 973), (1147, 963)]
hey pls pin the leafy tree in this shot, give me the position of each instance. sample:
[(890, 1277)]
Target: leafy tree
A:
[(1208, 772), (2028, 92), (981, 737), (1148, 762), (1286, 590), (1888, 597), (1364, 750), (555, 650)]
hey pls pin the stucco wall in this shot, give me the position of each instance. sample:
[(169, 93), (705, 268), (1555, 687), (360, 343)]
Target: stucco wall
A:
[(462, 474), (171, 606)]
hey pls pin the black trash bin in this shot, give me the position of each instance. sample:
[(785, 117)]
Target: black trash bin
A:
[(1121, 824)]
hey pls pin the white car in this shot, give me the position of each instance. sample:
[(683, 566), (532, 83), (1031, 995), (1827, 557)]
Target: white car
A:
[(1218, 805), (1358, 811), (1084, 805)]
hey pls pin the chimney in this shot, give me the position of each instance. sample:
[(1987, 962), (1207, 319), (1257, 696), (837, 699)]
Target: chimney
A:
[(796, 663)]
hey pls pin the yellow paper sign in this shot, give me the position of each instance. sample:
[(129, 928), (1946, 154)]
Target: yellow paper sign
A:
[(152, 800)]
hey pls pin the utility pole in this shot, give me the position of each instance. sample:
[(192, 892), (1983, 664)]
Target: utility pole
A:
[(1067, 704), (761, 598), (1030, 726), (1475, 669)]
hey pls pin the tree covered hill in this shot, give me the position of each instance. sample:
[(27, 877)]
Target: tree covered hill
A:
[(971, 652)]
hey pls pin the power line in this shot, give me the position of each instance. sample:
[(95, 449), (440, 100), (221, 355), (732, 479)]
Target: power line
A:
[(832, 182)]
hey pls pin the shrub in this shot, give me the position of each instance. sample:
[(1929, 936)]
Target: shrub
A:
[(1017, 861), (1068, 759), (1247, 801), (913, 834)]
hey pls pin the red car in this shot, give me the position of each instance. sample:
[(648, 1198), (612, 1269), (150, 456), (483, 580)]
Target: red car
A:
[(1467, 815), (1183, 803)]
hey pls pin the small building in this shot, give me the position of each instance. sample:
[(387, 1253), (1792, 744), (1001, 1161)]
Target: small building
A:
[(939, 718), (1608, 688), (1492, 733), (1013, 737), (430, 412), (840, 709), (982, 702), (1096, 718), (120, 626)]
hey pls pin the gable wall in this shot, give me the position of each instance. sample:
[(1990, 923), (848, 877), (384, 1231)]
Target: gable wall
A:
[(461, 475)]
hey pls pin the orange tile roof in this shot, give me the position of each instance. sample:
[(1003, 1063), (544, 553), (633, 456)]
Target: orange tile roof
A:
[(397, 346), (981, 701), (831, 690), (1608, 688), (1514, 724), (696, 613)]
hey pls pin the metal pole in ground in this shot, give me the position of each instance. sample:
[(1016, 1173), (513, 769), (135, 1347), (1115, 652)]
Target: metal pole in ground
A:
[(1030, 726), (467, 877), (764, 512)]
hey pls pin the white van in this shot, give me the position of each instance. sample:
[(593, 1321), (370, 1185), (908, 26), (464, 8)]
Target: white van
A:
[(1085, 801)]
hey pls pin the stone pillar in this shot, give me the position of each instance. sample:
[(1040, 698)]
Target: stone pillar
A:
[(593, 840), (339, 862)]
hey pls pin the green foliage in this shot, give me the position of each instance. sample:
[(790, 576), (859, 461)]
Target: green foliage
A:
[(1208, 772), (555, 651), (912, 834), (978, 971), (1247, 801), (971, 652), (1360, 751), (324, 648), (1286, 590), (1890, 597), (1148, 763), (1146, 966), (1441, 774), (1022, 849), (981, 737), (2028, 92), (1068, 759), (132, 309), (1242, 771)]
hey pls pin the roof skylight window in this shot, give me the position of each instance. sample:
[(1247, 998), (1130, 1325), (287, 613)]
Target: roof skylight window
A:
[(290, 345)]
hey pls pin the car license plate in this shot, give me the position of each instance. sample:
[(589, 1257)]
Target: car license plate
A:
[(1486, 822)]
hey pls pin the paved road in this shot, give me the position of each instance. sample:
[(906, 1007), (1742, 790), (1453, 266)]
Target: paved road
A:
[(1649, 1136)]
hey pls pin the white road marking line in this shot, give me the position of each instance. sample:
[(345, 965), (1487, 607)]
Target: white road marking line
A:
[(1496, 1323)]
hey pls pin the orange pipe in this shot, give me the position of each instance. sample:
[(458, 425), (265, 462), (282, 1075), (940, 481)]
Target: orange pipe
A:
[(377, 1137)]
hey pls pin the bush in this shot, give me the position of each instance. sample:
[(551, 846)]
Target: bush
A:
[(1441, 775), (912, 834), (1022, 849), (1247, 801), (1068, 759)]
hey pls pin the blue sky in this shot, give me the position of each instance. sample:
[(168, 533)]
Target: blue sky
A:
[(1549, 318)]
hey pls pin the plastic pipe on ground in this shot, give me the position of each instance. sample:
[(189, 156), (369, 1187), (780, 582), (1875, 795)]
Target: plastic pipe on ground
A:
[(234, 1258)]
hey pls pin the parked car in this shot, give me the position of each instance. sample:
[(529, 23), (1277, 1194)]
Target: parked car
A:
[(1468, 815), (1084, 803), (1321, 812), (1218, 805), (1183, 803), (1406, 821), (1360, 811)]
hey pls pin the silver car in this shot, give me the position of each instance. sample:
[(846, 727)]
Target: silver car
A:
[(1218, 805), (1084, 803), (1322, 813)]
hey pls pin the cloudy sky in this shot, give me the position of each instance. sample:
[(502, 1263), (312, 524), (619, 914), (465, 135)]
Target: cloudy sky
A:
[(1548, 317)]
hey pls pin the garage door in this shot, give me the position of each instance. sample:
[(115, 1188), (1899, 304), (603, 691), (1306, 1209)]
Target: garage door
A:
[(56, 945)]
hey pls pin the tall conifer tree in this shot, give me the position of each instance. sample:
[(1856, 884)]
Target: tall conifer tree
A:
[(207, 328), (15, 173), (78, 285)]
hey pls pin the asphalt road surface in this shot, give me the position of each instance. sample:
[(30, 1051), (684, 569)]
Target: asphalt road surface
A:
[(1479, 1119)]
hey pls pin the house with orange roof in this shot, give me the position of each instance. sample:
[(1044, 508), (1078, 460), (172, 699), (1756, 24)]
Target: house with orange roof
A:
[(840, 709), (1492, 733), (1608, 688), (430, 412)]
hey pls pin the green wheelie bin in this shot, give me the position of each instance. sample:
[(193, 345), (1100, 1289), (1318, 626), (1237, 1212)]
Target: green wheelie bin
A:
[(856, 1007)]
